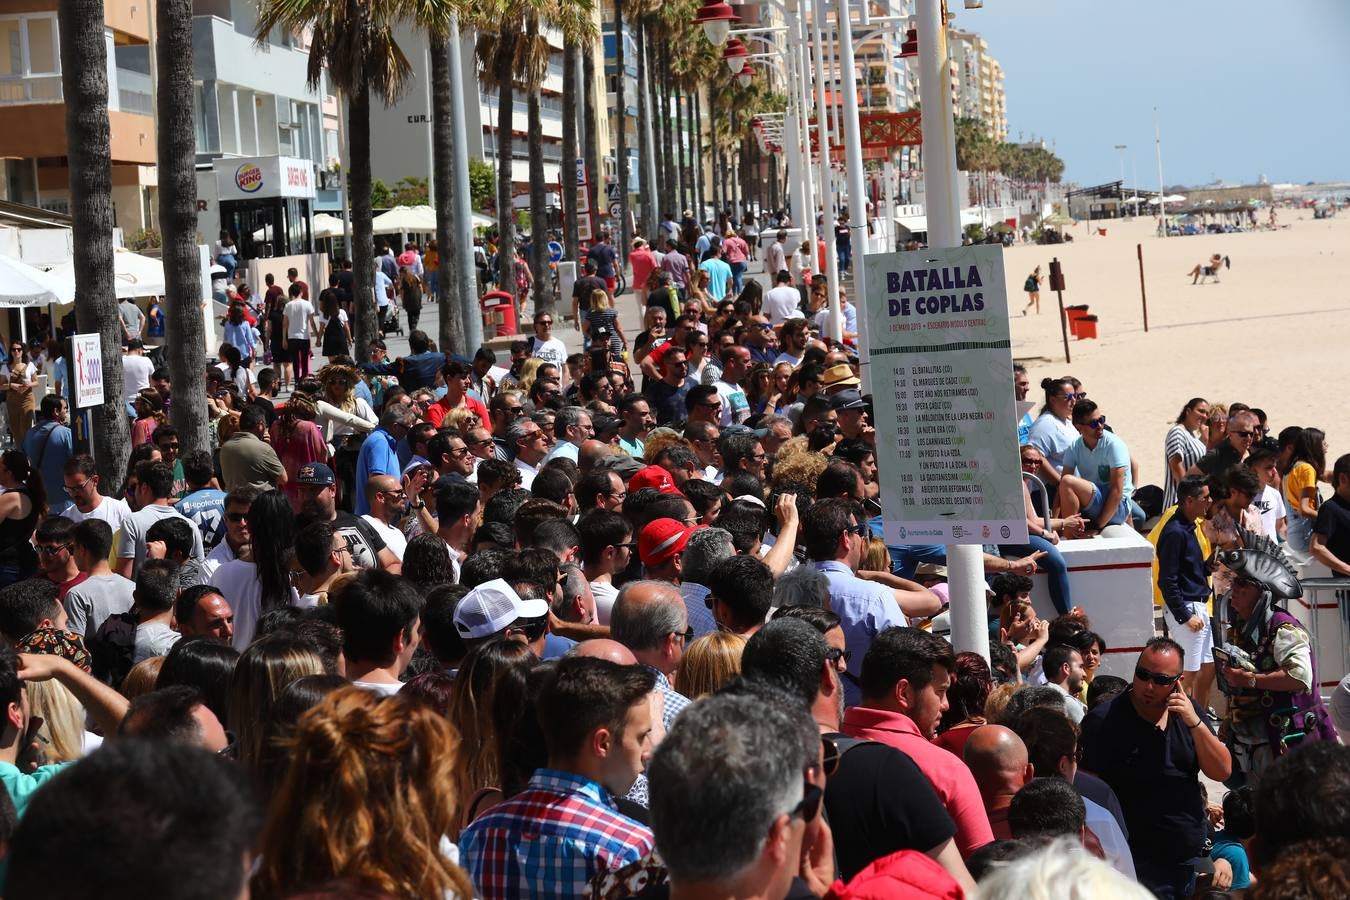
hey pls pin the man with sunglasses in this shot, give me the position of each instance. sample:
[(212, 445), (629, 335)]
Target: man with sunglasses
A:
[(388, 505), (236, 542), (1096, 474), (1150, 744), (753, 835), (1242, 434)]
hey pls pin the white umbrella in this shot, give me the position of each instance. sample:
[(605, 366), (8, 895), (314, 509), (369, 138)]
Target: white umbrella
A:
[(482, 221), (405, 220), (133, 275), (326, 226), (24, 285)]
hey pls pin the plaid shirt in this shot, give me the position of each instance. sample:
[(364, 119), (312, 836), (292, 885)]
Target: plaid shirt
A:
[(550, 840)]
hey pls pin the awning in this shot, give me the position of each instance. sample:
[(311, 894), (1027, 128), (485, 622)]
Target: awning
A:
[(133, 275), (24, 285)]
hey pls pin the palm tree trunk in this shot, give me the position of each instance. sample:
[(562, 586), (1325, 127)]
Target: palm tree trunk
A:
[(365, 328), (700, 185), (621, 137), (567, 178), (661, 150), (591, 151), (506, 221), (672, 151), (543, 289), (84, 81), (451, 337), (686, 145), (646, 150), (185, 330)]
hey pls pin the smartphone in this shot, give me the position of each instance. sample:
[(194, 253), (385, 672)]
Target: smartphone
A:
[(30, 751)]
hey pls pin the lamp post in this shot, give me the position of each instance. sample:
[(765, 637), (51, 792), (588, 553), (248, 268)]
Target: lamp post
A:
[(819, 15), (965, 565), (1121, 148), (1157, 145)]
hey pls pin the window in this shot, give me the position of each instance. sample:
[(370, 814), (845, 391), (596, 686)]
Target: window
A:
[(30, 61)]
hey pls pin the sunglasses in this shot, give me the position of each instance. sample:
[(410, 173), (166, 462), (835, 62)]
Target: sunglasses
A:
[(1243, 434), (236, 516), (859, 530), (1157, 678), (829, 756), (52, 549), (1097, 423), (834, 654)]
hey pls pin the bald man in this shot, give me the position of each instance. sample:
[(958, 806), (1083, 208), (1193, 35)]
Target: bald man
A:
[(998, 759), (388, 505), (591, 450), (604, 648)]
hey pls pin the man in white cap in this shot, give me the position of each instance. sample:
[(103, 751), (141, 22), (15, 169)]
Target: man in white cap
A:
[(494, 609)]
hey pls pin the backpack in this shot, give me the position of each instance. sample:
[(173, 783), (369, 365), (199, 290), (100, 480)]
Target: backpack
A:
[(1031, 284)]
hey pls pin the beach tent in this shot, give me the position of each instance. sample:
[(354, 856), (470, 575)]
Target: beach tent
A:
[(24, 285), (406, 220), (133, 275)]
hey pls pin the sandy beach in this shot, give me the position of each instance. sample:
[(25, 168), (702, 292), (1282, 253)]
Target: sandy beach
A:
[(1270, 334)]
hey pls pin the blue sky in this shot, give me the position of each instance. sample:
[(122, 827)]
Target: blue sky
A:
[(1242, 88)]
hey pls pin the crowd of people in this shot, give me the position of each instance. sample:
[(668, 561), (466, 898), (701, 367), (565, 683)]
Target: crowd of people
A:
[(596, 625)]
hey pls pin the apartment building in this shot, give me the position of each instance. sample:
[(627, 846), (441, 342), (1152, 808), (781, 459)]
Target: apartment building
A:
[(977, 83), (33, 168)]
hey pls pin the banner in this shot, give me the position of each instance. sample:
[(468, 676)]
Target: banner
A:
[(941, 366), (88, 370)]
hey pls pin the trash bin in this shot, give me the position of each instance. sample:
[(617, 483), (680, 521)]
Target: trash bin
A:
[(1074, 313), (499, 313), (1085, 327)]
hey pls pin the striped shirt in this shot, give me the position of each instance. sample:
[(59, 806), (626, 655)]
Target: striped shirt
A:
[(551, 839), (1179, 442)]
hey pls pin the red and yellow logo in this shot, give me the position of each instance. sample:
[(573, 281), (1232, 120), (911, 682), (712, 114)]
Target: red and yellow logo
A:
[(248, 178)]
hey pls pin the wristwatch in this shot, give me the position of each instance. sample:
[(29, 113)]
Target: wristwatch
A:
[(420, 504)]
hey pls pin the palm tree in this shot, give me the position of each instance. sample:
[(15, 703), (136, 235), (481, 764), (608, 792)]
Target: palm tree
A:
[(567, 171), (591, 151), (534, 63), (621, 135), (84, 83), (448, 231), (496, 50), (185, 330), (354, 41)]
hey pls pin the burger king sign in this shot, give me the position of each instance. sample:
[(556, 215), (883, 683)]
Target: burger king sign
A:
[(248, 178)]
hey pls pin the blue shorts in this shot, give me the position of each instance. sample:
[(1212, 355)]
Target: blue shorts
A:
[(1093, 509)]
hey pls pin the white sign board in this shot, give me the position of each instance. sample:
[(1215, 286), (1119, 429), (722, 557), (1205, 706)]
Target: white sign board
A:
[(256, 177), (941, 367), (88, 370)]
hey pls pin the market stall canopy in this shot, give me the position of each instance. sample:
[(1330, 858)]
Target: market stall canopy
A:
[(133, 275), (1170, 198), (24, 285), (406, 220)]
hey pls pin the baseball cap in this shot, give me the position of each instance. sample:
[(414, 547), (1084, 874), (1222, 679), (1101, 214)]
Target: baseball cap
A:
[(745, 429), (490, 607), (315, 473), (839, 374), (653, 477), (847, 399), (661, 539)]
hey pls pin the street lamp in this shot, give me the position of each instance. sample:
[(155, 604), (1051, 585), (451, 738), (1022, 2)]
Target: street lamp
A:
[(716, 18), (734, 55), (746, 75), (1122, 148)]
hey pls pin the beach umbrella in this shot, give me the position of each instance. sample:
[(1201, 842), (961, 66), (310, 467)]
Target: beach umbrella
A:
[(1058, 220), (406, 220), (1003, 228), (24, 285), (133, 275)]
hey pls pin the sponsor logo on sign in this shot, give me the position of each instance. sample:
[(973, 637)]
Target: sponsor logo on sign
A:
[(248, 178), (297, 176)]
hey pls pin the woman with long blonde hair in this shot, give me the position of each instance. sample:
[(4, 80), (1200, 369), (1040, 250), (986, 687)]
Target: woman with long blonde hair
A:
[(709, 663), (263, 671), (529, 371), (461, 419), (368, 800)]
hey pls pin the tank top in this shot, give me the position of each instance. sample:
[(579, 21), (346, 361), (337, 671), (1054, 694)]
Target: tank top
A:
[(16, 535)]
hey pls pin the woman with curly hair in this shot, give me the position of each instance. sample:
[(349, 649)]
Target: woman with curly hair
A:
[(297, 441), (368, 802)]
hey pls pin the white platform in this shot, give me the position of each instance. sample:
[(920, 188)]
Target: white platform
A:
[(1110, 578), (1320, 609)]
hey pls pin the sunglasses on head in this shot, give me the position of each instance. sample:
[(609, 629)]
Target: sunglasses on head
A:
[(1157, 678)]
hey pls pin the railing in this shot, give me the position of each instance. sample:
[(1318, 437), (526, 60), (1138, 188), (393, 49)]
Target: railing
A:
[(32, 89)]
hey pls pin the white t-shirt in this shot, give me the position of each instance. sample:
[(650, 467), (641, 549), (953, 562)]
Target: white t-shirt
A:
[(380, 687), (1271, 505), (298, 312), (527, 472), (605, 595), (238, 583), (382, 287), (551, 350), (135, 374), (393, 538), (735, 407), (219, 556), (780, 304), (109, 509)]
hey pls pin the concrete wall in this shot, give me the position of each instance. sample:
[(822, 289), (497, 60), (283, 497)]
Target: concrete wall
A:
[(39, 130)]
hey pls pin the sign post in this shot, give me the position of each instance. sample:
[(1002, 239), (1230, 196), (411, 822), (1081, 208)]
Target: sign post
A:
[(946, 421), (1057, 285), (85, 378)]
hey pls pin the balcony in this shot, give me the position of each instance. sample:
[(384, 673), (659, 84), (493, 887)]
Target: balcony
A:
[(31, 89)]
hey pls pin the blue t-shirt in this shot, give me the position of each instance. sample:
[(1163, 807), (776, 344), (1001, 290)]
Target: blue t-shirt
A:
[(1096, 464), (48, 446), (719, 272), (603, 257), (378, 456), (1024, 429), (206, 510), (1235, 854)]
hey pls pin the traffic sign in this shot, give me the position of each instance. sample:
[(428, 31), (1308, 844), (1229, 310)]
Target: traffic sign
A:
[(555, 251), (615, 209), (612, 190)]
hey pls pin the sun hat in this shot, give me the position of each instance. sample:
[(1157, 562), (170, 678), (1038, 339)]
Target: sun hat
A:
[(838, 375)]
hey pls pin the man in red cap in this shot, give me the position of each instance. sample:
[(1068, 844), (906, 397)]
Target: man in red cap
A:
[(652, 477), (661, 548)]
